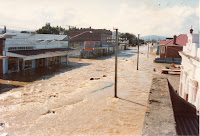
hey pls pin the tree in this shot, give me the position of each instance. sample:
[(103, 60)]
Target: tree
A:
[(131, 37), (25, 32), (47, 29)]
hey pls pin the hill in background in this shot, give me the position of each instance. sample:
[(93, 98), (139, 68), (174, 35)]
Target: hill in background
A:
[(153, 37)]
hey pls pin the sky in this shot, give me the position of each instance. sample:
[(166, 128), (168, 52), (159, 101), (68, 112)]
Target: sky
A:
[(144, 17)]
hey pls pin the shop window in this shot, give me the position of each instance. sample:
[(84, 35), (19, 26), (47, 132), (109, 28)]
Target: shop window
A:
[(28, 64), (41, 62), (12, 64), (57, 59)]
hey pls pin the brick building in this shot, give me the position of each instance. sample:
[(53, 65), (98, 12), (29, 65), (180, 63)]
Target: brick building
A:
[(170, 48), (89, 34)]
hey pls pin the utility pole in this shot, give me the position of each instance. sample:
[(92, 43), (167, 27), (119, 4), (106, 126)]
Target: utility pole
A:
[(116, 51), (138, 50), (148, 50)]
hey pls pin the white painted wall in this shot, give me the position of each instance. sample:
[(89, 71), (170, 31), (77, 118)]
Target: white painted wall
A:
[(190, 71)]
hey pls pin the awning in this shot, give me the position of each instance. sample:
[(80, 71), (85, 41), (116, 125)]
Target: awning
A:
[(3, 57), (41, 53)]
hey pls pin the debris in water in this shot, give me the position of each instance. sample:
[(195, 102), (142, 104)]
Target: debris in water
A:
[(154, 69), (53, 96), (94, 78), (2, 125), (4, 134), (153, 100), (104, 76), (48, 111)]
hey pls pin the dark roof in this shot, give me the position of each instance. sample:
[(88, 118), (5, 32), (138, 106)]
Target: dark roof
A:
[(187, 120), (187, 125), (96, 35), (41, 51)]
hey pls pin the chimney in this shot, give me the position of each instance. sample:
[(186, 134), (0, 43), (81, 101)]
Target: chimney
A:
[(191, 31), (174, 39), (4, 29)]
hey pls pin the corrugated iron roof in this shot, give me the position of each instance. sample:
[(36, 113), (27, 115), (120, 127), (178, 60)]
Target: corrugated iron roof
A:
[(187, 120), (31, 36), (41, 51), (47, 37), (187, 125), (182, 39), (163, 42), (10, 42)]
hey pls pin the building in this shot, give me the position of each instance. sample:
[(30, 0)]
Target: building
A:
[(94, 42), (79, 37), (169, 48), (189, 88), (26, 51)]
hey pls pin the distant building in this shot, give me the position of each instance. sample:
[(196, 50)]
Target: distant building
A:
[(26, 51), (169, 48), (88, 35), (95, 42), (189, 88)]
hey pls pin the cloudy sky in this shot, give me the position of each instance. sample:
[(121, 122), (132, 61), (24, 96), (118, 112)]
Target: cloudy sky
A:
[(146, 17)]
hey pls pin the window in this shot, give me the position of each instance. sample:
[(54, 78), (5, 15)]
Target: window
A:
[(28, 64), (162, 49)]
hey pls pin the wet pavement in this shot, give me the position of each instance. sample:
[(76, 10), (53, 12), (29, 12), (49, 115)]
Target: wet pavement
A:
[(66, 101)]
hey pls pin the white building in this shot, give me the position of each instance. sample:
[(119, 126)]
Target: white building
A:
[(189, 88), (27, 51)]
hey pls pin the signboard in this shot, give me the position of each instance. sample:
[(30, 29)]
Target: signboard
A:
[(91, 45)]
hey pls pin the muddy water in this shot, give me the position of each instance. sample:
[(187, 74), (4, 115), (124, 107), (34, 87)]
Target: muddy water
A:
[(69, 103)]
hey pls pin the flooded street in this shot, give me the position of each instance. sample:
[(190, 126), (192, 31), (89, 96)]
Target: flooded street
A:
[(69, 102)]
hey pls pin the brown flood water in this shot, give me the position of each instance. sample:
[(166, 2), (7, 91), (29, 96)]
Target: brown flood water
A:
[(67, 102)]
